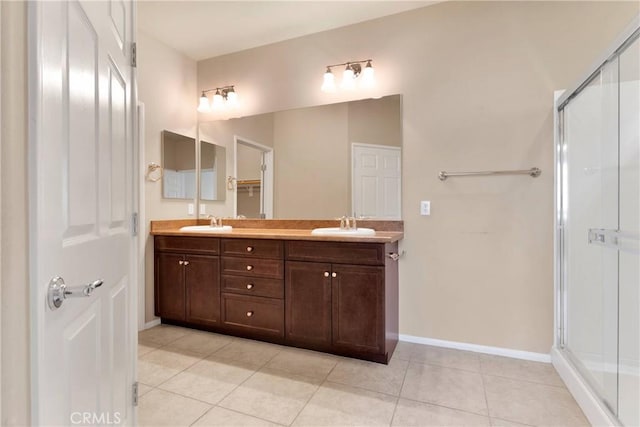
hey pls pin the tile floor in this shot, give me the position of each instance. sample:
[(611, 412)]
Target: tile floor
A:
[(203, 379)]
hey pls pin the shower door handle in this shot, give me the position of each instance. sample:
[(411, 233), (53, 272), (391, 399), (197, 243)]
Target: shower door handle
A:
[(614, 239)]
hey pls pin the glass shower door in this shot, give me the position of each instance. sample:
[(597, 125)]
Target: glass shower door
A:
[(591, 207)]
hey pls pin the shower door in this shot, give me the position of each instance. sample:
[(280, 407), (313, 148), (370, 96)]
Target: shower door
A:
[(600, 216)]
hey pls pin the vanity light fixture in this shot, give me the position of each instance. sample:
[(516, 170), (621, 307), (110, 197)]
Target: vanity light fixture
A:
[(223, 97), (352, 70)]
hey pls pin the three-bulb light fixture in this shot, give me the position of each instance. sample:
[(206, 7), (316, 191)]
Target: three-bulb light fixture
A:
[(353, 70), (223, 97)]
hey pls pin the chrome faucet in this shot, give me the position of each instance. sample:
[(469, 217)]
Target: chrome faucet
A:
[(348, 223), (215, 222)]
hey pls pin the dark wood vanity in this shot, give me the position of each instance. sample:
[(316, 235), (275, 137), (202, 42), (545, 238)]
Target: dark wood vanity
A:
[(339, 297)]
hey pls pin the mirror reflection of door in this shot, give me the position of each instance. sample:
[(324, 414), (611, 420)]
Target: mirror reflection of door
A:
[(179, 163), (254, 179)]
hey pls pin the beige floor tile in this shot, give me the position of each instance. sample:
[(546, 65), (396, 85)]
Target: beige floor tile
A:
[(403, 350), (162, 334), (342, 405), (303, 362), (530, 403), (143, 389), (248, 353), (221, 417), (272, 395), (497, 422), (145, 347), (449, 387), (203, 343), (161, 408), (207, 380), (410, 413), (156, 367), (372, 376), (538, 372), (448, 357)]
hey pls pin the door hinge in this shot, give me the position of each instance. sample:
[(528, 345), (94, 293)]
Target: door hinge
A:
[(135, 393), (134, 224), (263, 167), (134, 55)]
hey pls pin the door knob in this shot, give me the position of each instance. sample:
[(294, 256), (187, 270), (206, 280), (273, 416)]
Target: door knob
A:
[(250, 286), (334, 274), (59, 291), (249, 313), (249, 248), (326, 274), (249, 267)]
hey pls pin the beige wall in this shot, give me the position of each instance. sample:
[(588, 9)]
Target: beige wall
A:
[(167, 87), (477, 80), (14, 279), (376, 121)]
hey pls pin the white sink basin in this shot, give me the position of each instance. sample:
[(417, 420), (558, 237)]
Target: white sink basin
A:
[(207, 229), (337, 231)]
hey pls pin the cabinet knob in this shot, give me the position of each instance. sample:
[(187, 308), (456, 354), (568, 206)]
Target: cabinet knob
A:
[(249, 248), (186, 263), (250, 286), (249, 313), (181, 262), (249, 267), (334, 274), (326, 274)]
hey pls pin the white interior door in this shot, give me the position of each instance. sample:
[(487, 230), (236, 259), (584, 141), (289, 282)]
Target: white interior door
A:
[(81, 201), (377, 181)]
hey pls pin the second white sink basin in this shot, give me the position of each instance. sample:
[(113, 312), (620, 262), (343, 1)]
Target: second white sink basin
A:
[(207, 229), (337, 231)]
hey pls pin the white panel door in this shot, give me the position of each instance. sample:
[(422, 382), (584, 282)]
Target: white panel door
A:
[(81, 200), (376, 181)]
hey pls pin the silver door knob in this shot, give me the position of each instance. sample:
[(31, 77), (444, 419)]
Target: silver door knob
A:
[(326, 274), (249, 248), (334, 274), (249, 313), (59, 291), (250, 286), (249, 267)]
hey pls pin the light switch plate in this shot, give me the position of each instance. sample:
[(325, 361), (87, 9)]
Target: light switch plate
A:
[(203, 209), (191, 209), (425, 207)]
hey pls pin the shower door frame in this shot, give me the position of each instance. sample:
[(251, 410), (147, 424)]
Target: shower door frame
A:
[(591, 403)]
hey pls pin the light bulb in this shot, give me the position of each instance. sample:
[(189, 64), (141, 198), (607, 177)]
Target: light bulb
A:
[(329, 82), (232, 97), (204, 106), (348, 79), (218, 100), (368, 80)]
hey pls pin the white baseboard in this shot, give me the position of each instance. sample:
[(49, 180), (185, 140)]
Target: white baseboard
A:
[(154, 322), (594, 410), (497, 351)]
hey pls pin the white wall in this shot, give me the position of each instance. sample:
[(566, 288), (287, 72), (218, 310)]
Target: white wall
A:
[(167, 87), (477, 80)]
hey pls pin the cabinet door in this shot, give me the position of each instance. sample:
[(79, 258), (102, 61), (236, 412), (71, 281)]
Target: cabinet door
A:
[(358, 308), (202, 279), (308, 302), (170, 301)]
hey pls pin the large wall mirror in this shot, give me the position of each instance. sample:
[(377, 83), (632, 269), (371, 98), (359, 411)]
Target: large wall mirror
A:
[(179, 166), (313, 163), (213, 171)]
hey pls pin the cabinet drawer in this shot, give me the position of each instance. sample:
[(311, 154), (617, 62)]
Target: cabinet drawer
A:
[(264, 315), (253, 267), (197, 245), (253, 248), (270, 288), (336, 252)]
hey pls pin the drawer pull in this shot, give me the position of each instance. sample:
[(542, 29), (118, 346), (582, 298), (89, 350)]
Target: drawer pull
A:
[(186, 263), (326, 274), (250, 286), (249, 313), (249, 248), (334, 274), (249, 267), (181, 262)]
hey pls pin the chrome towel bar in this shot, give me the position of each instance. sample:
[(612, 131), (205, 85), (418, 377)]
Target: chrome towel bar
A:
[(533, 172)]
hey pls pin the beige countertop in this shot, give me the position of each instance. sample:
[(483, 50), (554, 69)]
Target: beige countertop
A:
[(172, 228)]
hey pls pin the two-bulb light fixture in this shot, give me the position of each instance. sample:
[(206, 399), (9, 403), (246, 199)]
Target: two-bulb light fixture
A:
[(223, 97), (353, 72)]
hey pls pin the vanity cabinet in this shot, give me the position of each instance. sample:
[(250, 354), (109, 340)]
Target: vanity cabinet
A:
[(187, 282), (334, 296), (342, 297)]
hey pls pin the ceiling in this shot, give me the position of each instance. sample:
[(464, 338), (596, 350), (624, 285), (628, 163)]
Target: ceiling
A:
[(204, 29)]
